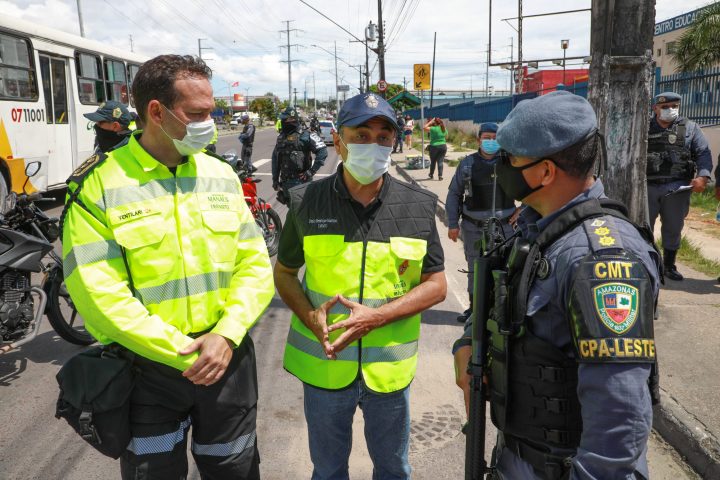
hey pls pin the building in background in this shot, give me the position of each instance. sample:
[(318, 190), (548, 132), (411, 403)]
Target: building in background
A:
[(667, 34)]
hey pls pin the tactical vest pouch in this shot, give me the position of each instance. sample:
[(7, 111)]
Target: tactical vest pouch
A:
[(95, 389)]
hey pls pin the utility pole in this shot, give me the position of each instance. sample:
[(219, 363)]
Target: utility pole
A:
[(621, 43), (295, 101), (381, 46), (520, 52), (289, 61), (337, 96), (80, 20), (201, 48), (487, 70), (314, 94), (131, 43), (432, 76)]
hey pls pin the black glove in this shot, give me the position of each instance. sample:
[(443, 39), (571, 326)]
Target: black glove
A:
[(275, 185), (306, 175)]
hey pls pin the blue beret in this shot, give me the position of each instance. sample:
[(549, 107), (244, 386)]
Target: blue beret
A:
[(361, 108), (491, 127), (666, 97), (546, 124)]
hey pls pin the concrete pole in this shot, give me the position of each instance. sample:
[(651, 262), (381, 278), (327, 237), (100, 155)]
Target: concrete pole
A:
[(80, 19), (619, 89), (337, 96)]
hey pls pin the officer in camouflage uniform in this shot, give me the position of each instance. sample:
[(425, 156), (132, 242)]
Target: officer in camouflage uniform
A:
[(292, 162), (678, 155), (572, 374)]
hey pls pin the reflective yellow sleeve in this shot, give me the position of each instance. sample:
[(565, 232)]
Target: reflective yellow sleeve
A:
[(97, 279), (251, 287)]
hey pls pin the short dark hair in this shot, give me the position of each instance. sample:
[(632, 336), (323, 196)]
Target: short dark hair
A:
[(155, 80), (578, 159)]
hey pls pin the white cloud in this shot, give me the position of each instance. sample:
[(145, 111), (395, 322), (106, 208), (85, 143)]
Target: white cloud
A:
[(245, 39)]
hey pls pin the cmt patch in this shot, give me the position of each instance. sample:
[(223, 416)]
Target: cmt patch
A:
[(617, 306)]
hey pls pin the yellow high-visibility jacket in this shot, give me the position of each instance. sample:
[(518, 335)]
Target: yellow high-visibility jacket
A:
[(196, 259)]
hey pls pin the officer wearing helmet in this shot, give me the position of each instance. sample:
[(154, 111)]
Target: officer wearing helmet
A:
[(572, 367), (678, 155), (247, 138), (292, 162)]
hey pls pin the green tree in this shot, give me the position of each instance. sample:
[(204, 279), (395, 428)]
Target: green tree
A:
[(699, 47), (264, 107), (392, 89), (220, 103)]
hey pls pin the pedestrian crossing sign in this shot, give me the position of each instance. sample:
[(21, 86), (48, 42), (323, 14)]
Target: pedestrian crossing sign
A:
[(421, 76)]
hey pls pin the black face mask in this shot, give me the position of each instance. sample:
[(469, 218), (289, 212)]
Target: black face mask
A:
[(512, 180), (106, 139), (288, 127)]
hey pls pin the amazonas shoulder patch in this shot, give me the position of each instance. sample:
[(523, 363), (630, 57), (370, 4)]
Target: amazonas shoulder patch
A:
[(617, 305)]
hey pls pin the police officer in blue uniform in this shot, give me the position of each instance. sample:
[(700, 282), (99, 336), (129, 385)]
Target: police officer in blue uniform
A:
[(247, 139), (678, 155), (475, 197), (572, 371), (292, 162)]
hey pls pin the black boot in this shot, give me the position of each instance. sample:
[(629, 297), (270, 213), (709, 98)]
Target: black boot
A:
[(669, 263), (462, 318)]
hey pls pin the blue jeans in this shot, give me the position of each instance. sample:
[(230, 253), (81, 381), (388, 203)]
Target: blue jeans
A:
[(329, 415)]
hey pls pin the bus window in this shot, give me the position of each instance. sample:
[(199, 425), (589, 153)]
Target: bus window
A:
[(116, 81), (90, 82), (55, 88), (47, 90), (132, 71), (17, 74)]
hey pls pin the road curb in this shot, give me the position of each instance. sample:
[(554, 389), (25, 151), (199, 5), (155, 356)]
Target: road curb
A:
[(681, 429), (686, 434)]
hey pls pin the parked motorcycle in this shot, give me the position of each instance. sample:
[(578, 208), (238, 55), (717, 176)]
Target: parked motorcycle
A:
[(266, 218), (26, 243)]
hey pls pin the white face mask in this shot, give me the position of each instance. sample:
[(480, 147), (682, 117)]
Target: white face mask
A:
[(197, 135), (366, 162), (669, 114)]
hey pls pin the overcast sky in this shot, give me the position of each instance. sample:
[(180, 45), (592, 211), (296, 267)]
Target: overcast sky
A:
[(244, 36)]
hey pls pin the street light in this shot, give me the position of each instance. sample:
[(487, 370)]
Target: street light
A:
[(564, 44)]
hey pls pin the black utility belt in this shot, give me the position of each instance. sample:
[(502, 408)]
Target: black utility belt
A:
[(482, 223), (553, 467)]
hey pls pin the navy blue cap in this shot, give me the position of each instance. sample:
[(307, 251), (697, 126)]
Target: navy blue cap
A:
[(287, 113), (361, 108), (486, 127), (666, 97), (111, 111), (546, 124)]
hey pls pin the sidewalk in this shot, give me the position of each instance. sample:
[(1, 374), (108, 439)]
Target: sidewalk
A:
[(686, 334)]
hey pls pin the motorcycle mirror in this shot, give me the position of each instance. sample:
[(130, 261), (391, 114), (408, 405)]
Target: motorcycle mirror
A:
[(32, 169)]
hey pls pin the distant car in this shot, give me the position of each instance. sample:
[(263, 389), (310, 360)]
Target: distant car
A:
[(326, 131)]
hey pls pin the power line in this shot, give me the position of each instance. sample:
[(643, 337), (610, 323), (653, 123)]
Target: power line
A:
[(289, 61)]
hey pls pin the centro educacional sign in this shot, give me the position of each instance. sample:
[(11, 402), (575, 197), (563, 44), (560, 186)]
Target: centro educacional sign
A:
[(681, 21)]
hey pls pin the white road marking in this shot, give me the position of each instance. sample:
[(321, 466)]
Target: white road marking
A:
[(261, 162)]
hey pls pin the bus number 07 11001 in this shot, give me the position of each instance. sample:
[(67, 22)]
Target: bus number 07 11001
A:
[(27, 115)]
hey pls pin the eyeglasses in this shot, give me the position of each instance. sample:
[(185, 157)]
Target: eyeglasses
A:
[(674, 105)]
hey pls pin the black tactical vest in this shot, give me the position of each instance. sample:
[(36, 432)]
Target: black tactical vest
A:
[(533, 384), (292, 159), (479, 179), (668, 158)]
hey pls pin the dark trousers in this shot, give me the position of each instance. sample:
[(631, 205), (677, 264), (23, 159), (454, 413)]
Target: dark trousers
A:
[(165, 404), (398, 143), (672, 210), (437, 155), (246, 155)]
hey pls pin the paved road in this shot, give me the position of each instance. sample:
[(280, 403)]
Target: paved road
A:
[(34, 445)]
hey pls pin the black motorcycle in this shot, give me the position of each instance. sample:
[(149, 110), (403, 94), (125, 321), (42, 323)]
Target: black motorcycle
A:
[(26, 244)]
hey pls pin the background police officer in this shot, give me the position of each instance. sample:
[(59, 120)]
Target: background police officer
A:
[(292, 162), (678, 155), (571, 349), (247, 139), (112, 120), (363, 237), (470, 196), (162, 256)]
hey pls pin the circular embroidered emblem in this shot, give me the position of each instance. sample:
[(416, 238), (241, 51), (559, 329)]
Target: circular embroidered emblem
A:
[(371, 101), (617, 305), (672, 138), (543, 269)]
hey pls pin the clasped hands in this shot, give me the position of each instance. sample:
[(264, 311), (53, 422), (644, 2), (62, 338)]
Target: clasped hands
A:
[(362, 320)]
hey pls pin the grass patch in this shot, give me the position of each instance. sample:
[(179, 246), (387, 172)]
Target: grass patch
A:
[(691, 255), (705, 201)]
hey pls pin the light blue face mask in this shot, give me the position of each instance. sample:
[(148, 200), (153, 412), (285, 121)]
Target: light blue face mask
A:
[(490, 146)]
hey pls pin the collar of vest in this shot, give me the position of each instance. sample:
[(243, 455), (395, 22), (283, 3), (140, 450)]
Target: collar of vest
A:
[(146, 161)]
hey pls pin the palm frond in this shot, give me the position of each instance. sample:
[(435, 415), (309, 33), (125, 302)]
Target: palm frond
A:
[(699, 47)]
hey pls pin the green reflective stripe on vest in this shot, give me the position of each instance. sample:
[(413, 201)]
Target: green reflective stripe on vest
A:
[(313, 347), (184, 287), (393, 353), (116, 197), (90, 253)]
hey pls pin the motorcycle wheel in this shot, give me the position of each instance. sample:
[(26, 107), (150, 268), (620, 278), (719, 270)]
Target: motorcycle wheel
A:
[(63, 315), (271, 226)]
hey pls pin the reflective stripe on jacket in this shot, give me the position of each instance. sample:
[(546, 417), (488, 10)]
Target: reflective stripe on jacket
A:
[(196, 258)]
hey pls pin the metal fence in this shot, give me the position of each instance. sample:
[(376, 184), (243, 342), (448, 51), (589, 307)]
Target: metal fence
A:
[(700, 92), (488, 111)]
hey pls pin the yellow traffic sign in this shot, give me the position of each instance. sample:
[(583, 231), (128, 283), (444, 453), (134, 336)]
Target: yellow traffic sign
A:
[(421, 77)]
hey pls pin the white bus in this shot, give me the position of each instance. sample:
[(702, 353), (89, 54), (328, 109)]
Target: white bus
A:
[(48, 80)]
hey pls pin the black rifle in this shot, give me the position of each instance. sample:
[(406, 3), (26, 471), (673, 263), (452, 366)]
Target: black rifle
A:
[(476, 467)]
